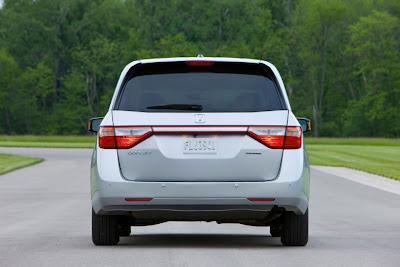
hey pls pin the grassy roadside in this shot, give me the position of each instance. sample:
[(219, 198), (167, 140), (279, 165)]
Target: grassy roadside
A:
[(377, 156), (47, 141), (353, 141), (10, 163)]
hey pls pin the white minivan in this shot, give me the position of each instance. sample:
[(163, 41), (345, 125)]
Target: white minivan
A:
[(200, 139)]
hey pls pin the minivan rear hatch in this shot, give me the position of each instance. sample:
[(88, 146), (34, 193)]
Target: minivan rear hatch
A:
[(198, 120)]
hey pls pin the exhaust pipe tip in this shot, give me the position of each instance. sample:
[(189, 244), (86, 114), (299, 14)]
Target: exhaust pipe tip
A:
[(279, 211)]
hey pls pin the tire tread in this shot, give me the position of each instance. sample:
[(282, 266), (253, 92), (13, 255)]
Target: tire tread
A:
[(104, 229), (295, 229)]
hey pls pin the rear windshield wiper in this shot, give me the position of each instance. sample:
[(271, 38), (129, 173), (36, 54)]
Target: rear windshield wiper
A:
[(178, 107)]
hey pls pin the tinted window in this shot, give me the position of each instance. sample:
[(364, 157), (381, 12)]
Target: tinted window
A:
[(216, 92)]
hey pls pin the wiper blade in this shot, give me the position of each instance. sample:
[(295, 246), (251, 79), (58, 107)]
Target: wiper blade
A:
[(178, 107)]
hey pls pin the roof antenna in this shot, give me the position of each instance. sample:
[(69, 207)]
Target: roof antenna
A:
[(200, 55)]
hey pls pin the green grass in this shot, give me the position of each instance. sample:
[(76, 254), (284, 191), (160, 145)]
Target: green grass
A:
[(353, 141), (10, 163), (47, 141), (377, 156)]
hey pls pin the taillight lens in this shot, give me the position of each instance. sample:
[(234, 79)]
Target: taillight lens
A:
[(107, 137), (122, 137), (277, 137), (293, 137), (272, 137)]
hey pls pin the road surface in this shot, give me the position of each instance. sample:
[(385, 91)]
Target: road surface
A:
[(45, 221)]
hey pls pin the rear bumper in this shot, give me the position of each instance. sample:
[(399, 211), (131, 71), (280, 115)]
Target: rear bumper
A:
[(290, 190), (193, 197)]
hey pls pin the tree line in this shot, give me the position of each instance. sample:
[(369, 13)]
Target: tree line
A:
[(340, 60)]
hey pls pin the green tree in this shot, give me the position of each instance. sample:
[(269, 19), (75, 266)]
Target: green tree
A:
[(376, 45), (8, 78), (316, 29), (30, 106)]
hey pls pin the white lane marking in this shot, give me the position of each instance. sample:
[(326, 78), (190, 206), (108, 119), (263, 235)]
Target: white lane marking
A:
[(380, 182)]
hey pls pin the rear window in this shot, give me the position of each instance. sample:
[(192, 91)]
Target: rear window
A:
[(218, 88)]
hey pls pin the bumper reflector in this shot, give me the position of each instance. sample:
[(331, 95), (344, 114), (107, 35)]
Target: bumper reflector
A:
[(261, 199), (138, 199)]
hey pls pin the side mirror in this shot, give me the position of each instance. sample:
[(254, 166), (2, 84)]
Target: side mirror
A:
[(305, 124), (94, 124)]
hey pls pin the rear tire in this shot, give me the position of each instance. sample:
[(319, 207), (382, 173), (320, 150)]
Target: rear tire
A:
[(294, 229), (104, 229)]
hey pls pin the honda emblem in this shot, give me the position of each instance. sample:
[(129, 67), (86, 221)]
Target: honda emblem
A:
[(199, 118)]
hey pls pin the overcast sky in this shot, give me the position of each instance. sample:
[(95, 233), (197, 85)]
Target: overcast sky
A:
[(1, 3)]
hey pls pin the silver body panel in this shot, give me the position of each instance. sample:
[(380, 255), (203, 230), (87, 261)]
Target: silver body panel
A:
[(157, 168), (237, 157)]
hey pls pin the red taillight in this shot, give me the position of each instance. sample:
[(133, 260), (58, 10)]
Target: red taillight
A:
[(107, 137), (277, 137), (122, 137), (199, 63), (271, 136), (293, 137)]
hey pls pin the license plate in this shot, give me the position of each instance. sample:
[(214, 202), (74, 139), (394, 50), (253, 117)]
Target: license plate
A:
[(199, 146)]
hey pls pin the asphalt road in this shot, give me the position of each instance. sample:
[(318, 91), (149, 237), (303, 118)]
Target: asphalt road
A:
[(45, 221)]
